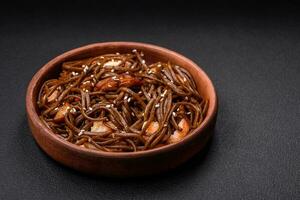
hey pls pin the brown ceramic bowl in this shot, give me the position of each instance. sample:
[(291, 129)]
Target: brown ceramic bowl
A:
[(129, 163)]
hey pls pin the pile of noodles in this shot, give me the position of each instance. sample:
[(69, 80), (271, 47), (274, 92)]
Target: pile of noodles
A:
[(120, 103)]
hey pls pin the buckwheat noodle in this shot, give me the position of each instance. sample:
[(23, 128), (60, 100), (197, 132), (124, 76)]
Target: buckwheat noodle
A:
[(121, 103)]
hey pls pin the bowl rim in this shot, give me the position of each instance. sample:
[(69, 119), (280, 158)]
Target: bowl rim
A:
[(33, 116)]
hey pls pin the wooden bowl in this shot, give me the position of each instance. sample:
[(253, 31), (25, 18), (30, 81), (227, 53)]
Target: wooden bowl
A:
[(128, 163)]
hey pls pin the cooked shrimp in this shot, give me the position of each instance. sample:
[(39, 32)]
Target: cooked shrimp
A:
[(178, 135), (112, 63), (62, 111), (152, 128), (115, 82), (99, 126), (53, 96)]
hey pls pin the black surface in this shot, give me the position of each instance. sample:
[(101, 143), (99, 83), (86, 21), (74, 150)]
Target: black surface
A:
[(252, 56)]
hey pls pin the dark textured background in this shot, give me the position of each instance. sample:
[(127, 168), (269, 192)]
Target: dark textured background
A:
[(251, 52)]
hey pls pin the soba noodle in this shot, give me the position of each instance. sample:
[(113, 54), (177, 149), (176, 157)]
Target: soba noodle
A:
[(120, 103)]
